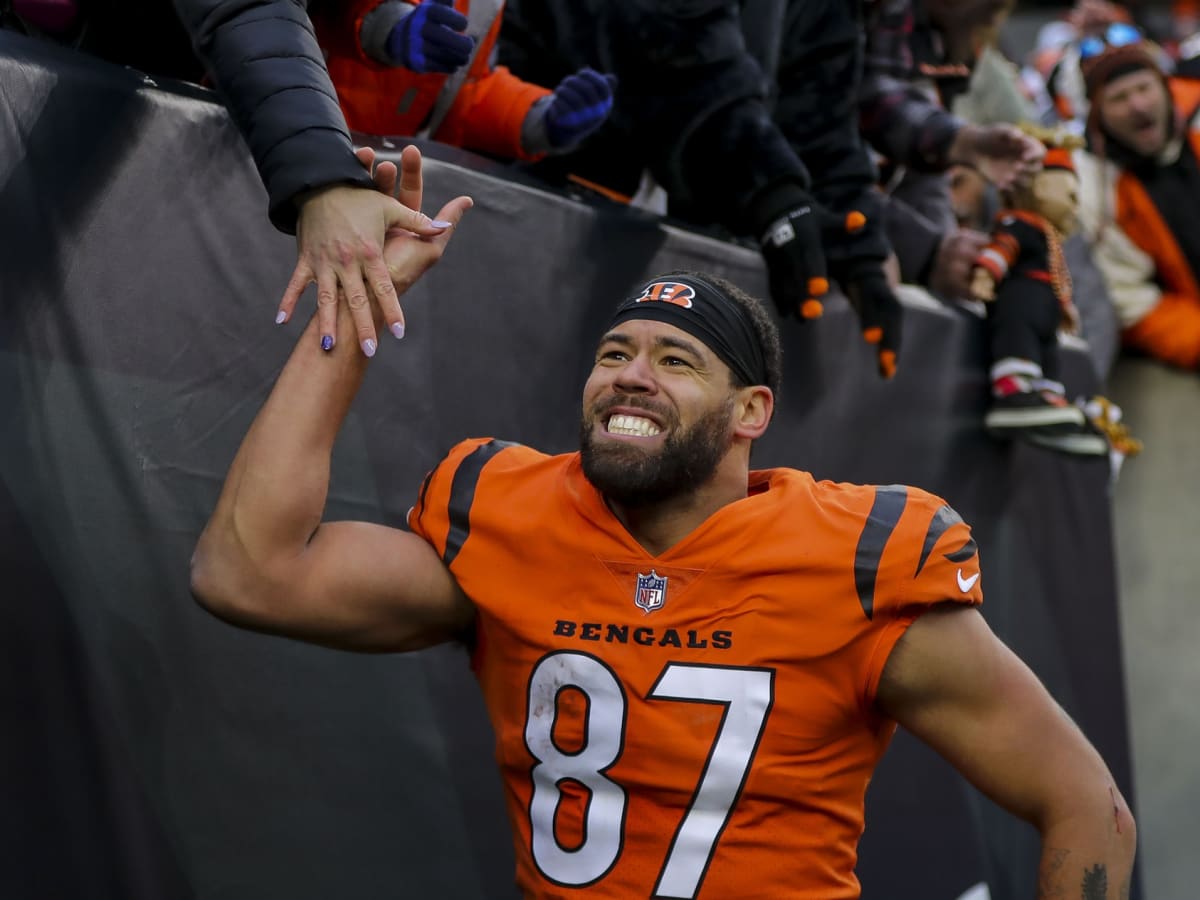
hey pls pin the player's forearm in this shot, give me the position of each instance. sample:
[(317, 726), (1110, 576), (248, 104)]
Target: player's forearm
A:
[(274, 495), (1091, 860)]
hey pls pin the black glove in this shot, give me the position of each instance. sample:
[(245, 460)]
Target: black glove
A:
[(788, 224), (879, 311)]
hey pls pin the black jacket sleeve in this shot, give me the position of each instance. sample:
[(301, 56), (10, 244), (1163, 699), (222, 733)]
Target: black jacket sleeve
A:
[(263, 59), (897, 117), (819, 73)]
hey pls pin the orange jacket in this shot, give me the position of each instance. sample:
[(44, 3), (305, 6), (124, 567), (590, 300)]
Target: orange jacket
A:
[(487, 114), (1137, 216), (1171, 330)]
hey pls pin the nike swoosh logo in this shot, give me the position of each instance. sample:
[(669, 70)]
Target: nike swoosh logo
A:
[(965, 584)]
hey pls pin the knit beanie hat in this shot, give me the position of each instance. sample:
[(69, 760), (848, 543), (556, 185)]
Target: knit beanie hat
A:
[(1106, 67), (1114, 62)]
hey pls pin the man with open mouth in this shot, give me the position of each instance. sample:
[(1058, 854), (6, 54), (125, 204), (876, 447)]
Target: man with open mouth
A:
[(1140, 192)]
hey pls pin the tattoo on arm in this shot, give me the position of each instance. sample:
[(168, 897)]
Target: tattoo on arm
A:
[(1050, 886), (1095, 883)]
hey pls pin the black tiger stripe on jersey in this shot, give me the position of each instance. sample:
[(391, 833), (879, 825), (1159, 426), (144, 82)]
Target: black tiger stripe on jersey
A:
[(965, 552), (889, 504), (462, 495), (942, 521)]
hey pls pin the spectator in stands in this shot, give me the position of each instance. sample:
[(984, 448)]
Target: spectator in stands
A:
[(692, 111), (264, 60), (1141, 197), (692, 669), (404, 68), (917, 58), (1057, 56)]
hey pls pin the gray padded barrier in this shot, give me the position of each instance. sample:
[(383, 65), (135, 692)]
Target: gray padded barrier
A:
[(1157, 528)]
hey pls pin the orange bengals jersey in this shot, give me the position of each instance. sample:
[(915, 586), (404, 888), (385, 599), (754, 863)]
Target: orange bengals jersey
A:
[(698, 723)]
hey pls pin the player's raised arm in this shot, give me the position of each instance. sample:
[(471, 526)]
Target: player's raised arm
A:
[(954, 684), (266, 561)]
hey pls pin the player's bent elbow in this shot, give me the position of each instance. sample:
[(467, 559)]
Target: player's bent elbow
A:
[(205, 582), (217, 584), (1099, 826)]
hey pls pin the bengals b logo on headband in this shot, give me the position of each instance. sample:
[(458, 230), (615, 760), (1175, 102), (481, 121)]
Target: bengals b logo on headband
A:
[(668, 292)]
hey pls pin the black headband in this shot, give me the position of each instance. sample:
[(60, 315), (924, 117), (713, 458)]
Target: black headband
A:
[(699, 308)]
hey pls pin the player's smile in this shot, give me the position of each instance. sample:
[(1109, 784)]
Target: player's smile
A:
[(630, 422)]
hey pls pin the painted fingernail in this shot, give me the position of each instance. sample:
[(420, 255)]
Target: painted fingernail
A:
[(280, 317), (438, 223), (398, 329), (369, 347), (326, 342)]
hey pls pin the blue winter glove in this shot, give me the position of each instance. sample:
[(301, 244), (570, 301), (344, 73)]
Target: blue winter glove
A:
[(578, 106), (430, 38)]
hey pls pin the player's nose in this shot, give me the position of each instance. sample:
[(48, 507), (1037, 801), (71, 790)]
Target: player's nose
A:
[(637, 375)]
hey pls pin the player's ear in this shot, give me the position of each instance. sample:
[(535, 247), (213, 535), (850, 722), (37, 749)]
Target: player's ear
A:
[(753, 410)]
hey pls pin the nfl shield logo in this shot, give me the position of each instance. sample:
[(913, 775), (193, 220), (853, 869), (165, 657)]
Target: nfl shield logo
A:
[(651, 592)]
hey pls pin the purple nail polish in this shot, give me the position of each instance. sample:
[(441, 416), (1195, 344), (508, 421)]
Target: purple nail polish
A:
[(280, 317), (368, 347), (326, 342), (438, 223), (397, 329)]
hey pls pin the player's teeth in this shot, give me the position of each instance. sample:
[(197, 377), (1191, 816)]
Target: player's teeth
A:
[(634, 425)]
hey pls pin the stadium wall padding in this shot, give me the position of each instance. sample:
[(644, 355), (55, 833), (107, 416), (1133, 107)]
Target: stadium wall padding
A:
[(152, 752)]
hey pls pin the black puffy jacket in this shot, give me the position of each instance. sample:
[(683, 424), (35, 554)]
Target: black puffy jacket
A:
[(264, 60)]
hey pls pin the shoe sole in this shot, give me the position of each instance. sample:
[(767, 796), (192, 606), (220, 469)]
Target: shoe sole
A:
[(1002, 419), (1075, 444)]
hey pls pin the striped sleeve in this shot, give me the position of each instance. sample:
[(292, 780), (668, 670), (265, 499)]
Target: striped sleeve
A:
[(442, 514), (948, 563), (914, 550)]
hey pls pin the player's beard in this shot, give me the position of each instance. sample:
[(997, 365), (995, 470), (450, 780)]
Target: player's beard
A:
[(631, 476)]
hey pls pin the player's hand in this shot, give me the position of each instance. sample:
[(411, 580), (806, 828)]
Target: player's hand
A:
[(407, 255), (340, 234), (879, 311), (1004, 154)]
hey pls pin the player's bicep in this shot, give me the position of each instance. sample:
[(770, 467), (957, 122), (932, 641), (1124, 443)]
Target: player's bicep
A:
[(953, 684), (362, 586)]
